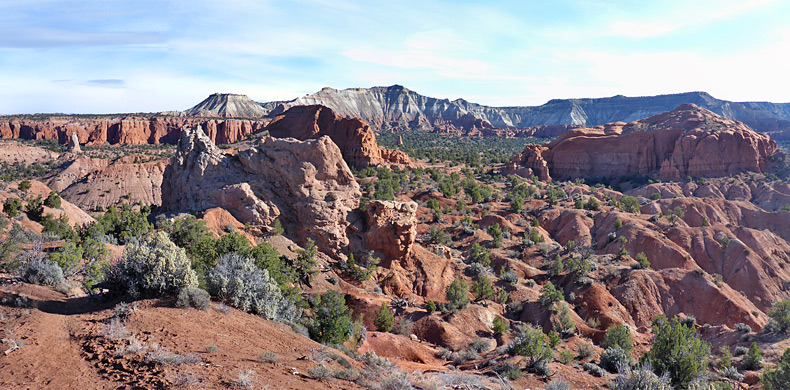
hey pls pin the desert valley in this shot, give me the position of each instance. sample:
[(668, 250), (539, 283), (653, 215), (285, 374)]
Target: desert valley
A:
[(280, 245)]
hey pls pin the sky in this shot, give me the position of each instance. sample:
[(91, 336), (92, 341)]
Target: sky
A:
[(111, 56)]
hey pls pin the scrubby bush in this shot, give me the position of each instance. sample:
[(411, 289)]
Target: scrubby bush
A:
[(484, 288), (594, 369), (193, 297), (152, 267), (384, 320), (237, 281), (42, 271), (677, 351), (743, 328), (496, 234), (557, 385), (641, 378), (331, 321), (613, 358)]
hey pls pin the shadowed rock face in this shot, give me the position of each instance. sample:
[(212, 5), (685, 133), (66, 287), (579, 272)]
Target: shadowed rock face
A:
[(688, 141), (305, 183), (354, 137)]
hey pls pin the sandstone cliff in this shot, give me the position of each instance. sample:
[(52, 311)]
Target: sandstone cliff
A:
[(304, 183), (354, 137), (127, 130), (688, 141)]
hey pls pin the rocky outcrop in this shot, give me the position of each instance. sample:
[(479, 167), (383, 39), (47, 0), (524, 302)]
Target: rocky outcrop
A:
[(399, 107), (227, 105), (127, 130), (688, 141), (391, 228), (354, 137), (74, 144), (304, 183), (95, 184)]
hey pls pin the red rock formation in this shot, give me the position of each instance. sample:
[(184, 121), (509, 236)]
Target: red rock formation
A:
[(128, 130), (392, 228), (688, 141), (354, 137), (304, 183)]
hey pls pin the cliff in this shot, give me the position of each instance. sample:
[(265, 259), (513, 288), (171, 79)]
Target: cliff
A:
[(127, 130), (688, 141), (354, 137)]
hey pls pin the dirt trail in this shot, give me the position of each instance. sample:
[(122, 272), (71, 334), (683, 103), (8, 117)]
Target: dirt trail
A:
[(51, 353)]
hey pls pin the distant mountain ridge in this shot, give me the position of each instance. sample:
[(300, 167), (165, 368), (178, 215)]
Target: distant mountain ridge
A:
[(397, 106), (227, 105)]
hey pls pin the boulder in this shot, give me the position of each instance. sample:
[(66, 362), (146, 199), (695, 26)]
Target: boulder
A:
[(304, 183)]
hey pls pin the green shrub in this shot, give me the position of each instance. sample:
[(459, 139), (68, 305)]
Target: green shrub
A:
[(592, 204), (778, 378), (479, 254), (237, 281), (152, 267), (331, 321), (458, 294), (68, 256), (550, 295), (629, 204), (24, 185), (193, 297), (496, 233), (12, 207), (384, 320), (533, 346), (59, 226), (53, 200), (430, 307), (618, 336), (753, 360), (483, 288), (780, 315), (563, 324), (642, 261), (677, 351), (500, 326), (35, 208)]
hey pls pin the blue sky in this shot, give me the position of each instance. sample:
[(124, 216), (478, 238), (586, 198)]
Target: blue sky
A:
[(103, 56)]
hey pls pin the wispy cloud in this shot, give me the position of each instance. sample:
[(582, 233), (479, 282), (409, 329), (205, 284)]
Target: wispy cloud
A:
[(106, 83), (49, 38)]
